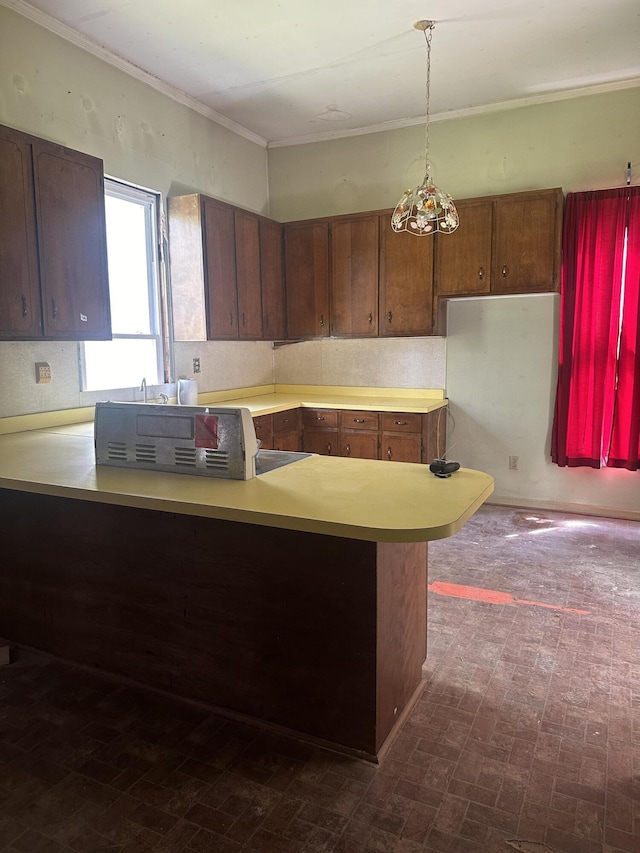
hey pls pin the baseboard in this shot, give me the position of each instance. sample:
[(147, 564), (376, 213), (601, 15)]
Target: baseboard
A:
[(560, 506)]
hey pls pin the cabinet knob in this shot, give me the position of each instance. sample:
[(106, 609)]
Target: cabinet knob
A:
[(329, 447), (24, 305), (370, 318), (389, 317), (347, 450), (244, 322), (54, 308), (322, 319), (481, 273), (504, 271), (231, 318), (388, 453)]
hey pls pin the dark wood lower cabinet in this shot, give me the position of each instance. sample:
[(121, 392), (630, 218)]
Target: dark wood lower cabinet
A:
[(318, 635), (359, 444)]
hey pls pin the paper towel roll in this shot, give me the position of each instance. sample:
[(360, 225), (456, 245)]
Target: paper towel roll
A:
[(187, 393)]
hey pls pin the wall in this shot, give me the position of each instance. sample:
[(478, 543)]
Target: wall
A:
[(57, 91), (501, 379)]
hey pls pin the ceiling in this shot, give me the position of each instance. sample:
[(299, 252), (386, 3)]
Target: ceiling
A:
[(289, 71)]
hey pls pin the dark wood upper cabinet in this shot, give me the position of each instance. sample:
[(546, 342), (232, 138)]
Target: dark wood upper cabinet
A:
[(527, 240), (463, 259), (307, 279), (53, 251), (406, 282), (247, 241), (220, 266), (20, 315), (272, 277), (354, 277)]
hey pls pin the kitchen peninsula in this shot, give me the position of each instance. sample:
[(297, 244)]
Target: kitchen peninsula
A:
[(296, 599)]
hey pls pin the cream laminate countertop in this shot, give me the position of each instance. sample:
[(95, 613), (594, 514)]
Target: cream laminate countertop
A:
[(353, 498)]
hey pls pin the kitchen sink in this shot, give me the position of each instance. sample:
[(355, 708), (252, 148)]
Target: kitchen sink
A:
[(269, 460)]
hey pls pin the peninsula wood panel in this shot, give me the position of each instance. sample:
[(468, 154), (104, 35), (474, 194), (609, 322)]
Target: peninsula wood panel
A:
[(322, 635)]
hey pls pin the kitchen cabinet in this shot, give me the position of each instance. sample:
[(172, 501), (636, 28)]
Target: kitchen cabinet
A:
[(354, 277), (505, 244), (401, 436), (320, 431), (248, 283), (307, 279), (272, 280), (226, 272), (53, 254), (287, 429), (406, 282), (359, 434)]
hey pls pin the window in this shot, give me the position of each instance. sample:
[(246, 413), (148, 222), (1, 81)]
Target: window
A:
[(597, 417), (138, 348)]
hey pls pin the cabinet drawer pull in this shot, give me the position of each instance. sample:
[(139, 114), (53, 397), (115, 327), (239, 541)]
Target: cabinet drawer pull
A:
[(54, 308), (389, 317), (24, 305), (401, 423), (481, 273), (320, 418), (504, 271), (388, 453), (359, 421)]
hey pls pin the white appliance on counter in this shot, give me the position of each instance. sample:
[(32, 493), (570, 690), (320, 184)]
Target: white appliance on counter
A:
[(203, 440)]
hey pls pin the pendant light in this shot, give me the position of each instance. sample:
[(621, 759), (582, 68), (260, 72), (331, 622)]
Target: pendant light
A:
[(425, 209)]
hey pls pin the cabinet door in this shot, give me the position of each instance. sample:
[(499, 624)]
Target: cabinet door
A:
[(307, 279), (359, 444), (220, 266), (19, 281), (247, 238), (463, 259), (401, 448), (289, 440), (72, 246), (272, 281), (527, 242), (322, 441), (406, 282), (354, 277)]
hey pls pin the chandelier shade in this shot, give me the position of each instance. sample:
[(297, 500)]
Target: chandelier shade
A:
[(425, 209)]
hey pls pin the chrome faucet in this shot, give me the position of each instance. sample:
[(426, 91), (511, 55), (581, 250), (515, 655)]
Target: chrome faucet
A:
[(143, 388)]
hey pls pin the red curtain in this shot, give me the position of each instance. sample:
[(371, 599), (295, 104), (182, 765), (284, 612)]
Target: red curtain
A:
[(592, 403)]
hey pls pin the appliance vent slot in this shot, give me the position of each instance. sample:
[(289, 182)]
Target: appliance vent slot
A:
[(117, 450), (185, 456), (146, 453), (216, 459)]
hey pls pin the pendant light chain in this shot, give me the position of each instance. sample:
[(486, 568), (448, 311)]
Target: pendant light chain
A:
[(425, 209)]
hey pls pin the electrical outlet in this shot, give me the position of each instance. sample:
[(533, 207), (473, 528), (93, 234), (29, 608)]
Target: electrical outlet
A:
[(513, 463), (43, 372), (196, 365)]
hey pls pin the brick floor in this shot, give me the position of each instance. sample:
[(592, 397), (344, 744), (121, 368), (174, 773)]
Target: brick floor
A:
[(528, 729)]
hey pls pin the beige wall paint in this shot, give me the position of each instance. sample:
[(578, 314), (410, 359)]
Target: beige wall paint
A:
[(578, 144)]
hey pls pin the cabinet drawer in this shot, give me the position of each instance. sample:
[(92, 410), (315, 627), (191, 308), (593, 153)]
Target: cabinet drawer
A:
[(359, 420), (399, 422), (285, 421), (319, 417)]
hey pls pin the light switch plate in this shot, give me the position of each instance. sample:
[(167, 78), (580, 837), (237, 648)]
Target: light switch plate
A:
[(43, 372)]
